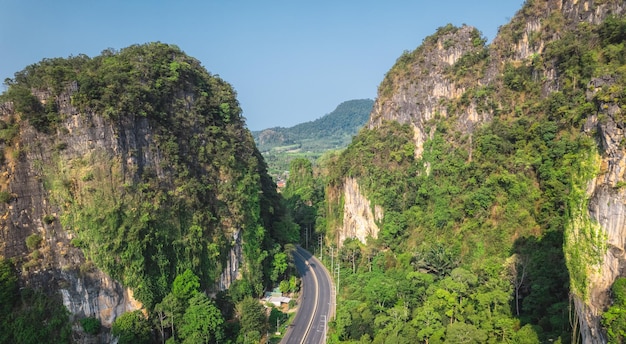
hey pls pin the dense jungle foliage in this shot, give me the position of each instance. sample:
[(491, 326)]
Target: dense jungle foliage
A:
[(149, 223), (311, 140), (29, 316), (472, 247)]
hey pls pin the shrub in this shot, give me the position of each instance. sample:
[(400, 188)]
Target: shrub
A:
[(90, 325), (33, 241), (8, 132), (132, 327), (5, 197), (48, 219), (88, 177), (61, 146)]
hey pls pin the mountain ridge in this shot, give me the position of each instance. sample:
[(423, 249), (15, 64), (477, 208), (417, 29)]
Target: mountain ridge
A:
[(493, 151), (312, 139), (347, 118)]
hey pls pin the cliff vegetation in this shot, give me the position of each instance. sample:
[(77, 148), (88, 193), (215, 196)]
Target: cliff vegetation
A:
[(478, 162), (137, 163)]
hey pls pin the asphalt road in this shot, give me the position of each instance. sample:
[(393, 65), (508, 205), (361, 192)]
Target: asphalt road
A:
[(314, 309)]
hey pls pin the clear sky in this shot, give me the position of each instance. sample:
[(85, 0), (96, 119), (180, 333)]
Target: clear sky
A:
[(289, 61)]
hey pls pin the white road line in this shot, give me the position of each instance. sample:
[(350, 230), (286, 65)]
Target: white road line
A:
[(306, 333)]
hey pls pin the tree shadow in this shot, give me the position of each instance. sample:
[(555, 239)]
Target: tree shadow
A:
[(541, 286)]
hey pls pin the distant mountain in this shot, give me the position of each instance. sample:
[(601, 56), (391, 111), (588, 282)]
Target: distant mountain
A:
[(311, 139)]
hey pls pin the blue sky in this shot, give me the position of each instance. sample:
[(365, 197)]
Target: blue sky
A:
[(289, 61)]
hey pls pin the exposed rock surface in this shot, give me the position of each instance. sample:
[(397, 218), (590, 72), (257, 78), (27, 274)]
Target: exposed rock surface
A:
[(415, 93), (232, 269), (86, 291), (359, 217), (193, 156), (606, 208)]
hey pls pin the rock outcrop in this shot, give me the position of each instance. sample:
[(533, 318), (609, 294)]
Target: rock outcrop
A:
[(607, 211), (422, 86), (359, 217), (86, 291), (119, 193), (415, 93)]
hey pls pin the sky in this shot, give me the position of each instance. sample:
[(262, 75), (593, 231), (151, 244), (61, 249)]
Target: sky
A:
[(289, 61)]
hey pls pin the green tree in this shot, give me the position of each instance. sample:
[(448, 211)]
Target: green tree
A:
[(614, 319), (614, 322), (394, 228), (239, 290), (284, 286), (618, 291), (436, 259), (29, 106), (300, 182), (252, 319), (40, 318), (276, 318), (286, 231), (293, 284), (186, 285), (526, 335), (279, 266), (131, 328), (170, 313), (202, 321), (428, 321), (460, 332), (301, 195), (8, 287), (380, 291), (90, 325), (351, 252)]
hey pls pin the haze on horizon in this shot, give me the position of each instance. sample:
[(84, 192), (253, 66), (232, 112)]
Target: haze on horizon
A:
[(290, 62)]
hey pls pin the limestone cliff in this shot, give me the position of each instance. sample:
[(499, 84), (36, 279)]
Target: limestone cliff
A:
[(129, 174), (454, 76), (86, 291), (604, 238), (359, 221), (416, 89)]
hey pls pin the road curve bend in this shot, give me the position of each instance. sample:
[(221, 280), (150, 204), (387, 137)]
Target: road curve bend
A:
[(316, 304)]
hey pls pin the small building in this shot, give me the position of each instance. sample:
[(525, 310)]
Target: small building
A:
[(276, 297)]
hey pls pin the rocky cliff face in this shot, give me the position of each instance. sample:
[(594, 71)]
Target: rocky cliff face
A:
[(86, 291), (606, 236), (359, 217), (429, 83), (415, 93), (125, 197)]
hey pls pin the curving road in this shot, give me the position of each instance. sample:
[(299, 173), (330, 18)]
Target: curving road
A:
[(316, 304)]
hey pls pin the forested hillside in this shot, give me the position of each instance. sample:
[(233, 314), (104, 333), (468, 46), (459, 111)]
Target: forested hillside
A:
[(483, 201), (310, 140), (129, 182), (492, 181)]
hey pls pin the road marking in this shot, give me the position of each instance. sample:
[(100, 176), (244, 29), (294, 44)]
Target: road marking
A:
[(308, 329), (322, 324)]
